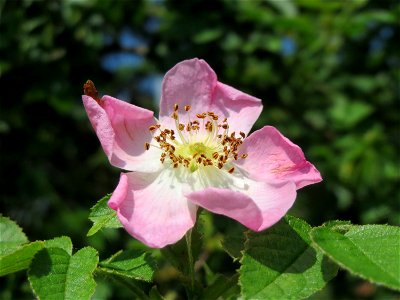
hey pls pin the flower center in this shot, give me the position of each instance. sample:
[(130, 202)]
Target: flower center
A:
[(203, 142)]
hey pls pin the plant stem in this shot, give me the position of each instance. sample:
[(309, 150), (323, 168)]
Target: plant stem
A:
[(129, 283), (191, 274)]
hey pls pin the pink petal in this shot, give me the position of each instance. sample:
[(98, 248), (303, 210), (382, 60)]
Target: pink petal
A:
[(242, 110), (190, 82), (123, 130), (193, 82), (152, 208), (258, 207), (272, 157)]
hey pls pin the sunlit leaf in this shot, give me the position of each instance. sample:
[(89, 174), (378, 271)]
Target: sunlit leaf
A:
[(20, 259), (102, 216), (135, 264), (280, 263), (370, 251), (11, 236), (54, 274)]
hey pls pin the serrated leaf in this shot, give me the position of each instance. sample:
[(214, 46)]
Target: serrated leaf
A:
[(63, 242), (370, 251), (154, 294), (102, 216), (280, 263), (220, 286), (233, 244), (135, 264), (11, 236), (54, 274), (20, 258)]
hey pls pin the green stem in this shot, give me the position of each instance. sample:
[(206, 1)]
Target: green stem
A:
[(188, 237), (129, 283)]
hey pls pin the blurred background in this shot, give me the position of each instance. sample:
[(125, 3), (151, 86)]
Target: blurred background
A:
[(327, 72)]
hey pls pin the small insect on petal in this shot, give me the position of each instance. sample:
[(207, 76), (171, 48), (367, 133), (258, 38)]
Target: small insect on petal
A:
[(90, 90)]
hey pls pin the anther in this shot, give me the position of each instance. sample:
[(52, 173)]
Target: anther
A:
[(181, 127), (201, 116), (244, 155), (176, 107), (230, 171), (174, 116), (154, 127), (215, 155), (242, 134), (147, 146), (187, 107)]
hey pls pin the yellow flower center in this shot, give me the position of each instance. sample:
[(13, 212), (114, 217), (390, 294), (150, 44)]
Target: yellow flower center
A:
[(203, 142)]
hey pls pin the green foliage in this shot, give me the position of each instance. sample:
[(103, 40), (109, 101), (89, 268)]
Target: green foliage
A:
[(280, 263), (62, 242), (369, 251), (102, 216), (19, 259), (55, 274), (17, 253), (11, 237), (135, 264), (233, 244)]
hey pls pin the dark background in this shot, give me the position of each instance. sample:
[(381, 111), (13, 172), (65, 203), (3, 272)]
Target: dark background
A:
[(327, 71)]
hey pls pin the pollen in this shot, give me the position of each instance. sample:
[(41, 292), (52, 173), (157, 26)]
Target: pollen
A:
[(204, 142)]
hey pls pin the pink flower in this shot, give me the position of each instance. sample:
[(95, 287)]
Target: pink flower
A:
[(196, 154)]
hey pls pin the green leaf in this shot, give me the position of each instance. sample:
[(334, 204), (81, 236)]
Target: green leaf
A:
[(279, 263), (11, 236), (63, 242), (135, 264), (20, 259), (220, 285), (154, 294), (54, 274), (103, 216), (233, 244), (370, 251)]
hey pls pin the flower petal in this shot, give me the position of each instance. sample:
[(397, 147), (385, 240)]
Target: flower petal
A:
[(241, 110), (193, 82), (190, 82), (257, 205), (274, 158), (123, 130), (152, 207)]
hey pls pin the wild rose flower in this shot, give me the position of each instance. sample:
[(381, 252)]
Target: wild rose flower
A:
[(196, 153)]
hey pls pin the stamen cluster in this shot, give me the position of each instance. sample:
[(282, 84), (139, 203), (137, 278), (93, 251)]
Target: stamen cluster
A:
[(203, 142)]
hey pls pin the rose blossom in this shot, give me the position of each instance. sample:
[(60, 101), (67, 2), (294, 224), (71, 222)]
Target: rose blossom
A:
[(196, 154)]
